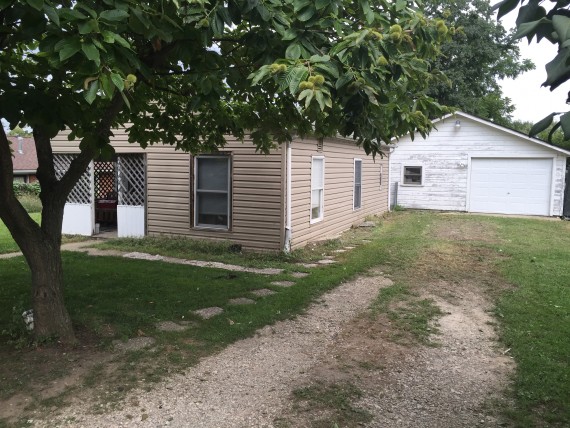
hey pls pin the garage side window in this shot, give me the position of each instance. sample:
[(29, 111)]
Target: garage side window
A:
[(212, 204), (413, 175), (317, 188), (357, 200)]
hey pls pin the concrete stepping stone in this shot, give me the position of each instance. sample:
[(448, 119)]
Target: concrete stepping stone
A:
[(208, 313), (348, 247), (170, 326), (262, 292), (342, 250), (241, 301), (134, 344), (326, 262), (283, 283), (366, 241), (143, 256), (299, 274), (308, 265)]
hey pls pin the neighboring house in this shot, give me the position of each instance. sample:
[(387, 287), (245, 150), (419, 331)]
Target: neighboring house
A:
[(24, 159), (301, 192), (470, 164)]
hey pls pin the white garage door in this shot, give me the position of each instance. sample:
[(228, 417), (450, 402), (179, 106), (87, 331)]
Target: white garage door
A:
[(510, 186)]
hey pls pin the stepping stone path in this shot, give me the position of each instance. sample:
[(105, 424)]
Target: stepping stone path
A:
[(262, 292), (283, 283), (299, 274), (342, 250), (326, 262), (241, 301), (200, 263), (349, 248), (134, 344), (208, 313), (170, 326)]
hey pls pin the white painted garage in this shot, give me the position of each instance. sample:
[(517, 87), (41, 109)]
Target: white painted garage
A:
[(470, 164)]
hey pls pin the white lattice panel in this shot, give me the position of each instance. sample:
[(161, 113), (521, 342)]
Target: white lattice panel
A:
[(81, 193), (132, 180)]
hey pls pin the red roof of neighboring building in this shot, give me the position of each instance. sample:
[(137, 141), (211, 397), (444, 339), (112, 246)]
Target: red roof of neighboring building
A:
[(24, 156)]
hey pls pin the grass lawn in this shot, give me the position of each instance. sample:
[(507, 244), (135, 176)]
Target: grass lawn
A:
[(7, 244), (535, 317), (113, 298)]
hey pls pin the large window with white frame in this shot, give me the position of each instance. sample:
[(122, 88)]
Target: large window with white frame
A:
[(212, 196), (317, 188), (357, 195)]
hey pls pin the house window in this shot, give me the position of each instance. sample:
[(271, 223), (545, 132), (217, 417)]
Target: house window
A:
[(413, 175), (212, 192), (357, 199), (317, 188)]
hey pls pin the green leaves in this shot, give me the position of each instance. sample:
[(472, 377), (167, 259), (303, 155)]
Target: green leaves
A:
[(295, 76), (505, 7), (91, 93), (542, 125), (68, 47), (293, 51), (92, 53), (312, 66), (113, 16)]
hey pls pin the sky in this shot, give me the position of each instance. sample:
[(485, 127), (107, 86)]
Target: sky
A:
[(532, 101)]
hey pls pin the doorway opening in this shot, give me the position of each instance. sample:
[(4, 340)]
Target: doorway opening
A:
[(106, 197)]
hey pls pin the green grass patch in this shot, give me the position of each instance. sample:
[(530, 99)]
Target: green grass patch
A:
[(535, 317), (412, 316), (7, 244), (336, 399), (31, 203)]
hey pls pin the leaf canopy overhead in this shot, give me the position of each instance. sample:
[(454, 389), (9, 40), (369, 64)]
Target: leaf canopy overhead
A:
[(186, 73)]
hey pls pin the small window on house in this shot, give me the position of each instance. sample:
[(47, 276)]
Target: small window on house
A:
[(212, 205), (317, 188), (413, 175), (357, 200)]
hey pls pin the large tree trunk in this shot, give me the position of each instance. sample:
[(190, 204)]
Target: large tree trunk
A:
[(40, 245), (51, 319)]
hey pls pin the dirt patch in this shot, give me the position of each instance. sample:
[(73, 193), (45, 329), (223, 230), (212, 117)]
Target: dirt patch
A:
[(56, 370), (456, 228)]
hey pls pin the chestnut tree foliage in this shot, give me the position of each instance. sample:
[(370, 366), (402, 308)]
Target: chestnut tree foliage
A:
[(187, 73), (550, 21)]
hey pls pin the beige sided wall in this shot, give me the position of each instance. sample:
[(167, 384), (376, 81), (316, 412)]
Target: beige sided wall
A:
[(338, 215), (257, 189)]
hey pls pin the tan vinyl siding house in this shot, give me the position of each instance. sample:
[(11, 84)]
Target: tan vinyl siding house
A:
[(339, 213), (188, 196)]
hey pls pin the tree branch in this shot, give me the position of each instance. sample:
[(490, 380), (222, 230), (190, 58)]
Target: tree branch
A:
[(17, 220)]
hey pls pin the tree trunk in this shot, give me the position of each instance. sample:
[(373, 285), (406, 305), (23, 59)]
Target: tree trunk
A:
[(51, 319)]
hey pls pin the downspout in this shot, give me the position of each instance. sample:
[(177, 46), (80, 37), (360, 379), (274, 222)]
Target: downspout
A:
[(288, 233), (389, 180)]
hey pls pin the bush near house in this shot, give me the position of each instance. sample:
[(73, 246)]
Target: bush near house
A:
[(21, 189)]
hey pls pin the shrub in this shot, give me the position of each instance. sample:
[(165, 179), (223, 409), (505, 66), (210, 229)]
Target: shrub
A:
[(21, 189)]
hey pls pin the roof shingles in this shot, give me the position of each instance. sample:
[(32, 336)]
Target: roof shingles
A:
[(26, 158)]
